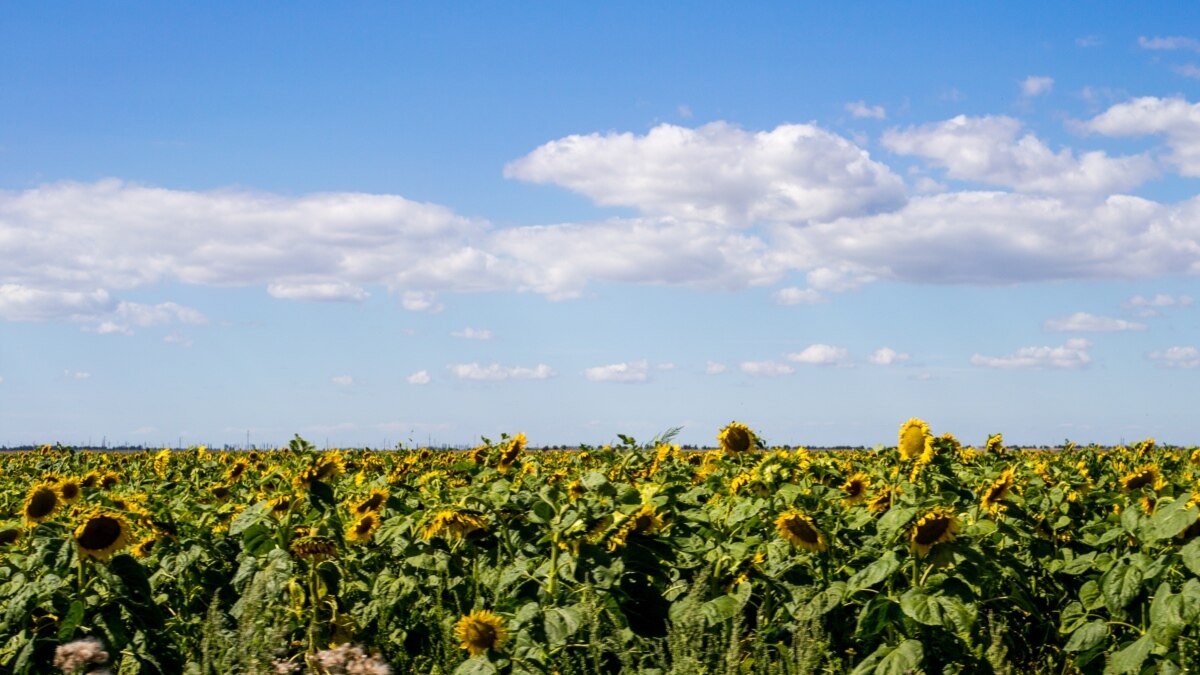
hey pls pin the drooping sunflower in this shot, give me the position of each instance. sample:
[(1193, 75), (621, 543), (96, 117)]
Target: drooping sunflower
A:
[(995, 444), (645, 521), (914, 436), (997, 491), (882, 501), (10, 534), (796, 527), (144, 547), (41, 503), (236, 470), (363, 528), (1147, 475), (481, 631), (372, 503), (855, 488), (453, 523), (511, 452), (937, 526), (736, 438), (314, 548), (69, 490), (101, 534)]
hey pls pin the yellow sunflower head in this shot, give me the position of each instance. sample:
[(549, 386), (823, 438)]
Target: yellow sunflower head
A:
[(914, 436), (364, 527), (101, 534), (69, 490), (481, 631), (882, 501), (997, 491), (10, 534), (855, 488), (995, 444), (937, 526), (144, 547), (372, 503), (736, 438), (453, 524), (511, 452), (236, 470), (1144, 476), (110, 479), (41, 503), (797, 528)]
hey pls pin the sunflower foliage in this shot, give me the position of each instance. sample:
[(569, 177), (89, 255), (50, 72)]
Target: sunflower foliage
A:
[(922, 556)]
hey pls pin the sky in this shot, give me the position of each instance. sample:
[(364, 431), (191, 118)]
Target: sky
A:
[(427, 223)]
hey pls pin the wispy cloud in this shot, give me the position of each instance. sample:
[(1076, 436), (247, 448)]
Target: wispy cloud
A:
[(1177, 357), (860, 110), (1036, 85), (1169, 43), (1072, 354), (342, 380), (472, 334), (886, 356), (495, 371), (76, 374), (714, 368), (1082, 322), (634, 371), (420, 377), (821, 355), (766, 368), (793, 295)]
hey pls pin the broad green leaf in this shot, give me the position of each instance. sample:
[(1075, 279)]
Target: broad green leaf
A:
[(476, 665), (1166, 616), (1130, 659), (720, 609), (902, 660), (937, 610), (1170, 518), (894, 520), (1080, 564), (874, 573), (823, 602), (1087, 636), (1090, 595), (1191, 556), (1120, 585), (561, 624), (70, 621)]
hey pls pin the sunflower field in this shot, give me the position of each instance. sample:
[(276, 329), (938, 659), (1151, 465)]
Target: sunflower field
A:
[(923, 556)]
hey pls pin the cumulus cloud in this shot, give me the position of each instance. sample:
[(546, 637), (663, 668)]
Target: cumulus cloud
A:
[(634, 371), (1036, 85), (987, 149), (719, 173), (1072, 354), (821, 355), (419, 378), (421, 301), (332, 291), (1177, 357), (797, 296), (472, 334), (342, 380), (1169, 43), (886, 356), (1143, 306), (766, 368), (1082, 322), (495, 371), (1175, 118), (714, 368), (860, 110), (26, 303)]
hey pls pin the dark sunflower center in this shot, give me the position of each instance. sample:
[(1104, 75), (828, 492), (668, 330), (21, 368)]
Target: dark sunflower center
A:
[(1141, 480), (41, 503), (9, 535), (108, 481), (855, 488), (931, 531), (69, 490), (803, 531), (370, 504), (364, 526), (480, 634), (99, 533), (738, 440)]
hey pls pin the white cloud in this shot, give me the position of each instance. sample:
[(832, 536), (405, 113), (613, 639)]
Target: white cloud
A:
[(886, 356), (1089, 41), (1174, 118), (1188, 70), (1070, 355), (420, 377), (797, 296), (1169, 43), (472, 334), (177, 338), (1177, 357), (1082, 322), (76, 374), (108, 328), (719, 173), (1147, 307), (26, 303), (821, 355), (421, 301), (988, 150), (495, 371), (634, 371), (342, 380), (664, 366), (1, 379), (860, 110), (684, 111), (714, 368), (330, 291), (1036, 85), (766, 368)]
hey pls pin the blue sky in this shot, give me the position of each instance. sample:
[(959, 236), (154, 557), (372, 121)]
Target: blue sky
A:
[(424, 223)]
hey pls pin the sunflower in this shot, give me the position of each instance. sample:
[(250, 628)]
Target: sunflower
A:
[(101, 534), (69, 490), (995, 444), (736, 438), (997, 491), (364, 528), (236, 470), (373, 502), (314, 548), (511, 452), (110, 479), (280, 505), (453, 523), (800, 530), (856, 488), (933, 528), (480, 631), (644, 521), (575, 489), (914, 436), (144, 547), (91, 479), (882, 501), (1147, 475), (10, 534), (41, 503)]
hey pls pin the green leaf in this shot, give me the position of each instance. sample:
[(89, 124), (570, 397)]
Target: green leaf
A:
[(1191, 556), (1189, 605), (561, 624), (251, 516), (1120, 585), (1166, 616), (718, 610), (476, 665), (1087, 636), (874, 573), (894, 520), (825, 601), (1090, 595), (937, 610), (1130, 659), (1080, 564), (320, 495), (1169, 519), (903, 659), (257, 540), (70, 621)]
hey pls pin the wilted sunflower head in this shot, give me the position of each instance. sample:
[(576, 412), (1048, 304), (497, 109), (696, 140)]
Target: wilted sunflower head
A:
[(914, 436), (736, 438), (935, 527), (101, 534), (314, 548), (41, 503), (144, 547), (882, 501), (363, 528), (995, 444), (1145, 476), (481, 631), (511, 452), (997, 491), (796, 527), (372, 503), (236, 470), (453, 523), (856, 487), (10, 534)]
